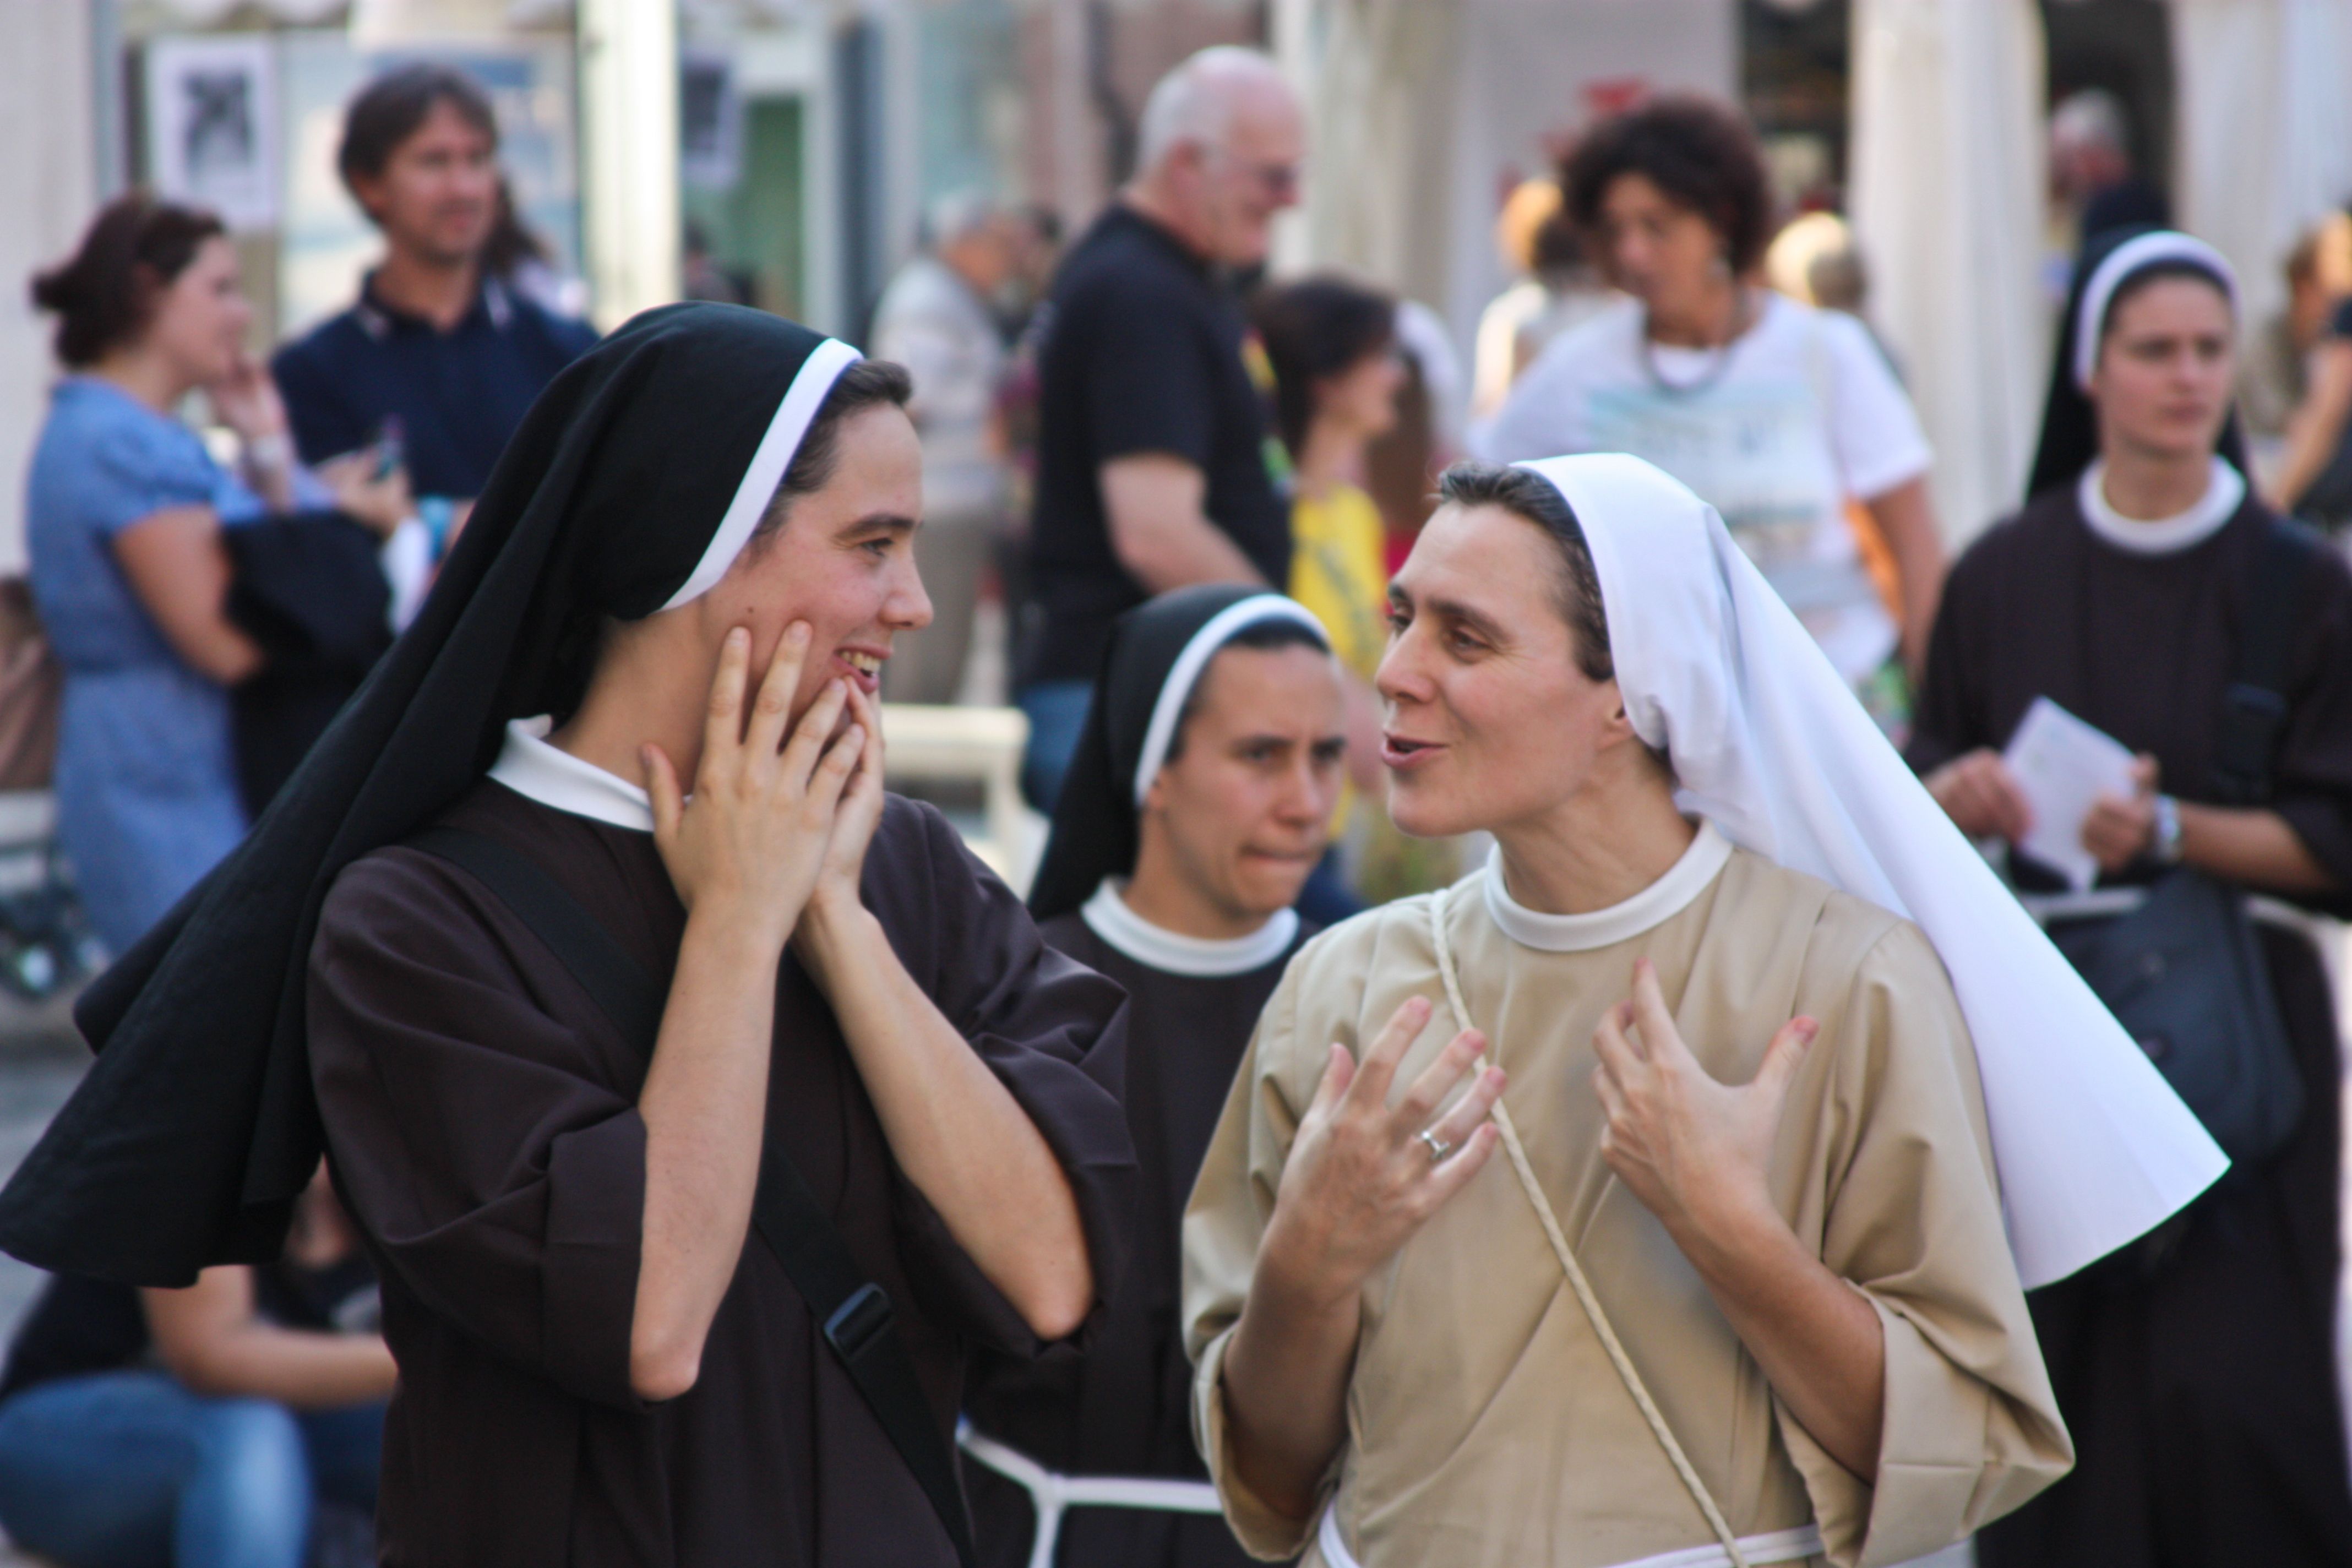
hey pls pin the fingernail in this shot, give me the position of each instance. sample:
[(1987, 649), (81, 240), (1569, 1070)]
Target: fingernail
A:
[(1808, 1029), (798, 631), (739, 635)]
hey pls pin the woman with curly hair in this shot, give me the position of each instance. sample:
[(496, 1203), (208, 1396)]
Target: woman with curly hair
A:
[(1776, 413)]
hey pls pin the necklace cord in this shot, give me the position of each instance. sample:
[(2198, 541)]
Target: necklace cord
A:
[(1626, 1374)]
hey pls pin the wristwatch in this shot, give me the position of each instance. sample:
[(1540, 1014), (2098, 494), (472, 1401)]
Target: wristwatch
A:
[(2165, 848)]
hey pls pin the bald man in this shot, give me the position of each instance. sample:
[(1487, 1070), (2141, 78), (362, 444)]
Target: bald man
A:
[(1152, 437)]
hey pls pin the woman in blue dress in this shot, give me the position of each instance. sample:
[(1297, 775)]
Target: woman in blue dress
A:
[(125, 509)]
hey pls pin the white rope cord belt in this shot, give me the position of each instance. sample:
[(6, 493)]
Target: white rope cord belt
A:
[(1054, 1494), (1732, 1551), (1779, 1546)]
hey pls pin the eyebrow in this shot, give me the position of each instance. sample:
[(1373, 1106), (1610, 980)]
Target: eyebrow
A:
[(878, 522), (1449, 609)]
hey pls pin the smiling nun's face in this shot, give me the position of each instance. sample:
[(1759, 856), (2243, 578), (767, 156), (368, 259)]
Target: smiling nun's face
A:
[(1489, 721), (843, 560)]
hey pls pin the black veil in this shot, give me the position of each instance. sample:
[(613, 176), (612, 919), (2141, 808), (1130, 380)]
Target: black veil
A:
[(188, 1140)]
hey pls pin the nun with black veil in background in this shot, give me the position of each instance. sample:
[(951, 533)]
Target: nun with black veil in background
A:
[(1200, 799), (2145, 589), (702, 1107)]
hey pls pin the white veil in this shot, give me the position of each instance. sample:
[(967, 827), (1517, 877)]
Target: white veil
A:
[(2093, 1146)]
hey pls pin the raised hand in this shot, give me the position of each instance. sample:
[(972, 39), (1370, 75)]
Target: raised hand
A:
[(1362, 1178), (2118, 830), (750, 843), (1693, 1149), (247, 400), (1981, 796), (860, 811)]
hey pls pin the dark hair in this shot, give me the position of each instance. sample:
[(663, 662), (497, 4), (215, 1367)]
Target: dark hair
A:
[(868, 384), (1263, 636), (1537, 500), (389, 110), (1315, 328), (1701, 153), (104, 292), (511, 242)]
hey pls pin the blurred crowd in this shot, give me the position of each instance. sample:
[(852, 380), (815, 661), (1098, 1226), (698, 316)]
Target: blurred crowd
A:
[(1137, 407)]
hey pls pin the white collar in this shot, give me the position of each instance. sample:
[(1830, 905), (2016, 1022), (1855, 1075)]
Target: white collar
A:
[(528, 765), (2224, 493), (1651, 907), (1171, 952)]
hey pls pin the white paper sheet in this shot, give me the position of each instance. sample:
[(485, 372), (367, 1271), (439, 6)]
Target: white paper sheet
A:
[(2063, 765)]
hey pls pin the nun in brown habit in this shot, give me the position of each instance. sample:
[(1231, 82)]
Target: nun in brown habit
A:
[(2143, 573), (1200, 798), (703, 1108)]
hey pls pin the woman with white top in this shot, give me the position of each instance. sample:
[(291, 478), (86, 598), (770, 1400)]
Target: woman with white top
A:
[(1778, 414)]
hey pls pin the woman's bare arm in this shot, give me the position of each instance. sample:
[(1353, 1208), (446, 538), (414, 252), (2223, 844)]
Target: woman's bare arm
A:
[(743, 852), (2317, 427), (953, 1126), (179, 570), (210, 1337), (1906, 520)]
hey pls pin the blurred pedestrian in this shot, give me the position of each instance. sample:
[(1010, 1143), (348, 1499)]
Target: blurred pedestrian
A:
[(1201, 797), (1775, 412), (1556, 289), (2313, 480), (2146, 590), (439, 354), (938, 318), (699, 275), (126, 519), (2273, 373), (1152, 438), (2091, 173), (517, 256), (237, 1423)]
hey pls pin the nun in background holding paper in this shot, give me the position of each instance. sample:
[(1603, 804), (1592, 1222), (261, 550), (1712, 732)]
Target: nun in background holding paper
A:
[(2079, 705)]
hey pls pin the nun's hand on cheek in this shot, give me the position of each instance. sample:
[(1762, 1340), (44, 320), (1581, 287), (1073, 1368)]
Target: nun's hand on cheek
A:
[(1693, 1149), (748, 849), (853, 822)]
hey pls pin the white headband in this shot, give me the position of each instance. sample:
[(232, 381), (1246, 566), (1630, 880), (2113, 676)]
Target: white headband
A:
[(2136, 255), (793, 414), (1219, 630)]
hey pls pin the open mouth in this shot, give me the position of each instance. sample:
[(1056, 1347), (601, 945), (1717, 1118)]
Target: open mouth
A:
[(864, 663), (1401, 752)]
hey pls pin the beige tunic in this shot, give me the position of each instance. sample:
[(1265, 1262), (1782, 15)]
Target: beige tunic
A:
[(1485, 1425)]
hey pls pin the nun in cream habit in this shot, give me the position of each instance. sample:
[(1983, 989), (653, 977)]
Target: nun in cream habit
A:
[(1719, 1257)]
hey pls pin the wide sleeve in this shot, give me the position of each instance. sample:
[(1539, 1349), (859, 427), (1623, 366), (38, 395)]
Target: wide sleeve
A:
[(500, 1176), (1052, 1031), (1231, 1200), (1899, 1193), (2313, 790)]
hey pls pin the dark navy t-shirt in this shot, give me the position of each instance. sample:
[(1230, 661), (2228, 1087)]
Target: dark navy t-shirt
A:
[(457, 395), (1142, 353)]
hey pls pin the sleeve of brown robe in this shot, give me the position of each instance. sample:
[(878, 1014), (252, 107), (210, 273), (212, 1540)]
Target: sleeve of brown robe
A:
[(1053, 1031), (487, 1147)]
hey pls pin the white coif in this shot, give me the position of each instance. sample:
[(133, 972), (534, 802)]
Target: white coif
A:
[(1769, 746)]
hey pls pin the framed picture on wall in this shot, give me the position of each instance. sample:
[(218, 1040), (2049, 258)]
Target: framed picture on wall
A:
[(212, 126)]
